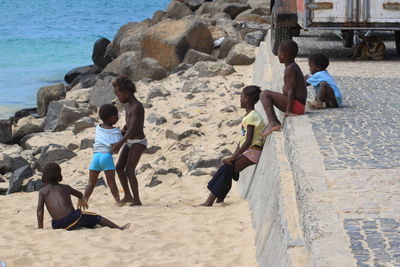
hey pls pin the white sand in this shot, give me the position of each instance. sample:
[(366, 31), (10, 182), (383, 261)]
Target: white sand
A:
[(167, 230)]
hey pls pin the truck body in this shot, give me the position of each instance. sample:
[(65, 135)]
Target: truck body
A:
[(291, 16)]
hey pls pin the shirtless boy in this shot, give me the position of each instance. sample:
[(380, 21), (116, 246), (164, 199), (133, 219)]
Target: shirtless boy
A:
[(293, 99), (133, 137), (57, 198)]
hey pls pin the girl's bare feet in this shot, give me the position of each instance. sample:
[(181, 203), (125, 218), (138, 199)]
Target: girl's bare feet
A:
[(126, 226), (126, 200), (270, 129), (136, 203)]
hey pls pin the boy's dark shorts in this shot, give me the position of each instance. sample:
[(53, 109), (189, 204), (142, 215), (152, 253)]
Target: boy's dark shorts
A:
[(77, 219)]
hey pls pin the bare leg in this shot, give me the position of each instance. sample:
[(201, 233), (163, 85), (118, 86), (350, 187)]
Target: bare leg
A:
[(326, 95), (110, 176), (106, 222), (93, 176), (135, 152), (270, 99), (240, 164), (121, 164)]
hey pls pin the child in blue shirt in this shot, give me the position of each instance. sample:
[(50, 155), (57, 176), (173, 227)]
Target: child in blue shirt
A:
[(327, 92), (102, 160)]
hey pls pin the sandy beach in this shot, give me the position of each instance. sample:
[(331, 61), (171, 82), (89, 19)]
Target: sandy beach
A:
[(166, 230)]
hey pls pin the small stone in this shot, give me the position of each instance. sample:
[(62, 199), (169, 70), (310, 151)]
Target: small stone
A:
[(152, 150), (189, 96), (86, 143), (72, 147), (229, 108), (196, 124), (100, 182), (236, 85), (160, 158), (154, 182), (157, 119)]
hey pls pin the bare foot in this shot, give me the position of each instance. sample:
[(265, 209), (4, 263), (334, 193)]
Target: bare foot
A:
[(219, 200), (126, 200), (270, 129), (136, 203), (205, 204), (120, 203), (126, 226)]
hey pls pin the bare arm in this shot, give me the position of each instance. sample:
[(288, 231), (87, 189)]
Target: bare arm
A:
[(290, 86), (241, 149), (40, 210), (82, 202), (306, 78)]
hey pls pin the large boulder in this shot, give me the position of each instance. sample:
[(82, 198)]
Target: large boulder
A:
[(79, 96), (178, 10), (241, 54), (149, 68), (17, 178), (83, 123), (254, 38), (25, 126), (233, 9), (210, 8), (128, 38), (253, 18), (209, 69), (61, 115), (103, 92), (99, 56), (36, 141), (200, 159), (158, 16), (192, 57), (53, 153), (194, 4), (125, 64), (46, 94), (25, 112), (5, 131), (11, 159), (168, 41), (73, 76), (226, 46)]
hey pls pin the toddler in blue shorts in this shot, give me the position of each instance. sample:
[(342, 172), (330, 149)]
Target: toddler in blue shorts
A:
[(106, 135)]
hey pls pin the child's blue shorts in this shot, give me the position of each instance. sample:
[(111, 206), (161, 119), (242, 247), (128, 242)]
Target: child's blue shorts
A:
[(102, 162)]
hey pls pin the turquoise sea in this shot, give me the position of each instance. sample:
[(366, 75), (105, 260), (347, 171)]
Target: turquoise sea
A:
[(41, 40)]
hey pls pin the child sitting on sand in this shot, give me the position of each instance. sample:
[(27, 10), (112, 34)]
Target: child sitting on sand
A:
[(294, 92), (134, 139), (57, 198), (327, 92), (247, 152), (102, 160)]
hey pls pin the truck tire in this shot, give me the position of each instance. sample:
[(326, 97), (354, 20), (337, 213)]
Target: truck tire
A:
[(278, 33), (397, 39), (348, 37)]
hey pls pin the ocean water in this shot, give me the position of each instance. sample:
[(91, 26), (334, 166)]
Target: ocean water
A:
[(41, 40)]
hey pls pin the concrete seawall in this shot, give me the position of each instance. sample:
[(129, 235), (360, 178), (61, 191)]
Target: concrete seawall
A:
[(287, 190)]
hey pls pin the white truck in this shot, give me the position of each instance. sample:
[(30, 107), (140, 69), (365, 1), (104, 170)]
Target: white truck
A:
[(289, 17)]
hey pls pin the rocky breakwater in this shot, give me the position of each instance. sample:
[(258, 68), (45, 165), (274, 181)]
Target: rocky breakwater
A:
[(189, 65)]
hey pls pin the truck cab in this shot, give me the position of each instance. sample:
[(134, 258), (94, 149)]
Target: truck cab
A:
[(289, 17)]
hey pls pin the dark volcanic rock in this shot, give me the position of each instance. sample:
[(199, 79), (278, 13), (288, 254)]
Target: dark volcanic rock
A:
[(46, 94), (149, 68), (53, 153), (74, 73), (157, 119), (17, 178), (5, 131), (99, 56), (86, 143), (192, 57)]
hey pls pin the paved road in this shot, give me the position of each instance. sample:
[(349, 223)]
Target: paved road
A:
[(360, 144)]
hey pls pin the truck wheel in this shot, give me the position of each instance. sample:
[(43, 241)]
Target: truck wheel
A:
[(348, 37), (397, 39), (278, 33)]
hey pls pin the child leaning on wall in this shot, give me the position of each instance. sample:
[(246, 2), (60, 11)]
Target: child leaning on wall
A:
[(327, 92)]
